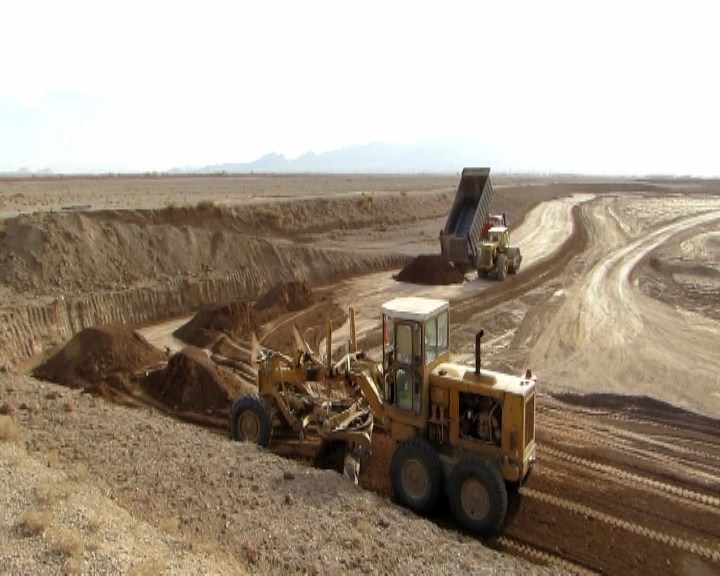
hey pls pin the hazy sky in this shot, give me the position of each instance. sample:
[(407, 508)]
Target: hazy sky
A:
[(612, 87)]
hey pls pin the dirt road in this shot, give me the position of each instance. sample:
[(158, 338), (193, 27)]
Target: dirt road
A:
[(619, 339)]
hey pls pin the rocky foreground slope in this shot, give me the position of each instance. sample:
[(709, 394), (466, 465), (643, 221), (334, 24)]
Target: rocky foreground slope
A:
[(87, 486)]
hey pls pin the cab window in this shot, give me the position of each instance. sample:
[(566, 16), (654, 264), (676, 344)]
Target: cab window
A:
[(436, 336), (408, 390), (403, 344)]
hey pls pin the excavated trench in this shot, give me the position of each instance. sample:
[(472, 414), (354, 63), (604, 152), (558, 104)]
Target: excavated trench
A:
[(30, 329), (62, 273)]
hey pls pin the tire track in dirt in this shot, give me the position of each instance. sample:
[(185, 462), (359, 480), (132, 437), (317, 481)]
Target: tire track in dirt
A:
[(710, 503), (530, 551), (587, 512), (609, 431), (698, 468)]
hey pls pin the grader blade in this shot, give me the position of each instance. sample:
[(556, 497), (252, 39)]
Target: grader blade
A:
[(353, 425)]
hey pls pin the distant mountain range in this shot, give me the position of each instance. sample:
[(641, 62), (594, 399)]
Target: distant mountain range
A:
[(377, 157), (435, 156)]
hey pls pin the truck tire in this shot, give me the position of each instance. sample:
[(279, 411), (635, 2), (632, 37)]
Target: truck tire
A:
[(416, 474), (502, 266), (477, 495), (517, 260), (250, 420)]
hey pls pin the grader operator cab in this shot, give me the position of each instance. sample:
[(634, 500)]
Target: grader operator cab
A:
[(460, 430)]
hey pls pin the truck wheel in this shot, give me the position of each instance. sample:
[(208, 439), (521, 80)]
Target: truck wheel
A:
[(416, 475), (502, 266), (250, 420), (478, 497)]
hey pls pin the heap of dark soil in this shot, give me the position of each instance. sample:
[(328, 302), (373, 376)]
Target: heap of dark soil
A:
[(430, 269), (232, 318), (287, 297), (237, 319), (95, 353), (193, 381)]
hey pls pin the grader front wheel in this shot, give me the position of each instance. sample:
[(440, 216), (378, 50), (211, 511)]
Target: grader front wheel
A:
[(250, 421)]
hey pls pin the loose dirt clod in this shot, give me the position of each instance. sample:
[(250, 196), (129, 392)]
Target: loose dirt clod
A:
[(430, 269)]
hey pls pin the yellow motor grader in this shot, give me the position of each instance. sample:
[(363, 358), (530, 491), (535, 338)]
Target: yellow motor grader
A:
[(460, 430)]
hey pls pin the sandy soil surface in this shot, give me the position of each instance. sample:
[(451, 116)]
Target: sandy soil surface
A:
[(615, 308)]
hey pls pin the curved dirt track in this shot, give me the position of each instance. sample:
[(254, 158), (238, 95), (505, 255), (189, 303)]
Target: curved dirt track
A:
[(618, 338)]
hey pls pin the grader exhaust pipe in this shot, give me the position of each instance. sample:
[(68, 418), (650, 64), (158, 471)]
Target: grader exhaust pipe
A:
[(478, 337)]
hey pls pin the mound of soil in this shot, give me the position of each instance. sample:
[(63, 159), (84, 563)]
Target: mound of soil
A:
[(232, 318), (193, 381), (94, 353), (237, 319), (225, 346), (430, 269), (287, 297)]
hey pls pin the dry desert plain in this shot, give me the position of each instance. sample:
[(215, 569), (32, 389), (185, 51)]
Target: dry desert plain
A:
[(616, 309)]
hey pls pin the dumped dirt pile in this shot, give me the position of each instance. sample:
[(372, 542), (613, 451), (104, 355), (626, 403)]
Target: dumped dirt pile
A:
[(285, 297), (238, 319), (95, 353), (430, 269), (191, 380), (232, 318)]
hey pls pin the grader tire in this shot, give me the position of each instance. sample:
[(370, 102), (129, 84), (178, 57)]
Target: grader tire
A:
[(478, 497), (250, 421), (416, 474)]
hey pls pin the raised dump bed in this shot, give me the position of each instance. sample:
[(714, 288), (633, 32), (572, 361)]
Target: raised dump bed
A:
[(462, 235)]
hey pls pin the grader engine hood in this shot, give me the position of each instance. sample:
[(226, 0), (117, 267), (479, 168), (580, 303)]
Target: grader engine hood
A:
[(521, 386)]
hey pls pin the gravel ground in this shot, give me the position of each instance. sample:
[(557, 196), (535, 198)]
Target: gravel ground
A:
[(91, 487)]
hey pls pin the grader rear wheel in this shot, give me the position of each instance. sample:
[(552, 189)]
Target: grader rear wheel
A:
[(478, 497)]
